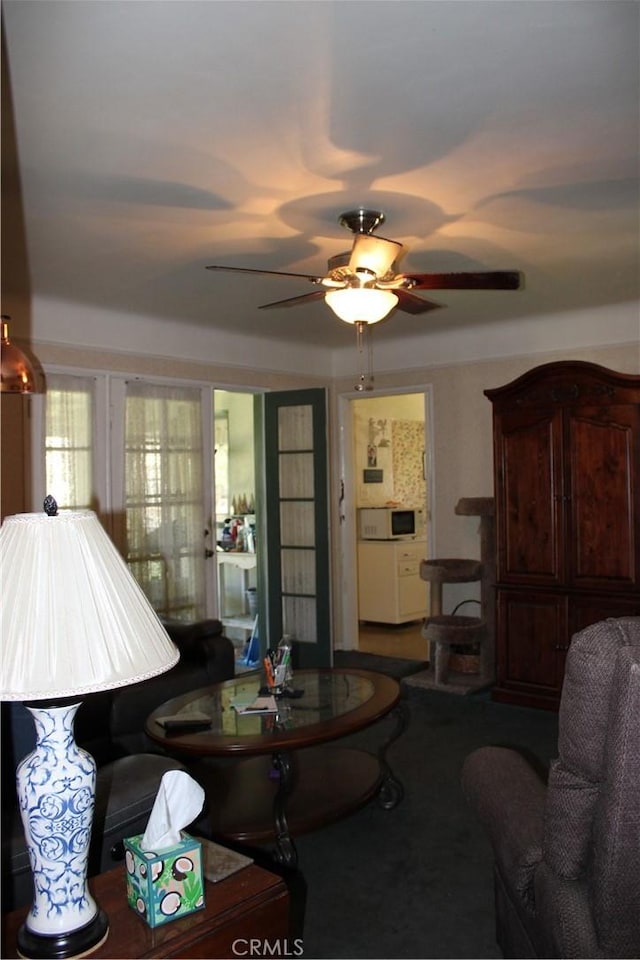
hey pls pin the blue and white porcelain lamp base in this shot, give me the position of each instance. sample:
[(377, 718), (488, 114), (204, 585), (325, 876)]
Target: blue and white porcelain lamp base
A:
[(56, 794), (74, 622)]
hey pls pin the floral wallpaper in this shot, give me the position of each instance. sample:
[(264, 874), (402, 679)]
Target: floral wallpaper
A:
[(407, 445), (396, 448)]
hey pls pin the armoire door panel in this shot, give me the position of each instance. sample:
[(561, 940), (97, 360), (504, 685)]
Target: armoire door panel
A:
[(530, 500), (602, 530), (532, 641)]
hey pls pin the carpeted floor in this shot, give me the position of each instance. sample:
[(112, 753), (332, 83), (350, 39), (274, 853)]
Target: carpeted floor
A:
[(393, 666), (416, 882)]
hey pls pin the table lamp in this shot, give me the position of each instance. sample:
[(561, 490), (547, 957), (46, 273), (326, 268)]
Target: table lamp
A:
[(74, 621)]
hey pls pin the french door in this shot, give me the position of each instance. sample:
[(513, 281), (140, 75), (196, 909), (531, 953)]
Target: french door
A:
[(297, 524), (164, 496), (139, 453)]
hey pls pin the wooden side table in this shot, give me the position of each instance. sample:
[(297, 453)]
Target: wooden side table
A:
[(250, 904)]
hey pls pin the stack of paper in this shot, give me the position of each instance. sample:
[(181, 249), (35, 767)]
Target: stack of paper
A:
[(256, 705)]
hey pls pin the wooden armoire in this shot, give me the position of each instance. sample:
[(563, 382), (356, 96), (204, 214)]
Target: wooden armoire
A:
[(567, 497)]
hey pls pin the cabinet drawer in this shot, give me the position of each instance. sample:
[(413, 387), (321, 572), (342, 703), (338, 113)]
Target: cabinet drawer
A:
[(411, 552), (409, 568)]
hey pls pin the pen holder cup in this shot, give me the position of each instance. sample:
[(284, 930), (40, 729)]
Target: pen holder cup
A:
[(276, 681)]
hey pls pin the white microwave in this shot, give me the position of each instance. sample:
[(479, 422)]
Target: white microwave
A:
[(390, 523)]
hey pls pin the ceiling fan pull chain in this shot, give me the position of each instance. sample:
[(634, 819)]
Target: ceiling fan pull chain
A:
[(363, 342), (369, 338)]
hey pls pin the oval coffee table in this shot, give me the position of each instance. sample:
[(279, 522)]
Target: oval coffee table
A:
[(282, 782)]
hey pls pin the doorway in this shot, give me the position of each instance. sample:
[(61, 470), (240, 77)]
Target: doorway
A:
[(270, 518), (233, 525), (387, 439)]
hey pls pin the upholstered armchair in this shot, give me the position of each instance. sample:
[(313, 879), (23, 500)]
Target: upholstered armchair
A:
[(567, 854)]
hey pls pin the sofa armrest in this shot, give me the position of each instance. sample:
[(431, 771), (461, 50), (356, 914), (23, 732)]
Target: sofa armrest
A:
[(203, 644), (185, 633), (508, 797), (206, 657)]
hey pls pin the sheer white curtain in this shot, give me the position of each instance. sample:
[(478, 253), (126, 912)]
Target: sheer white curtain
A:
[(69, 430), (164, 503)]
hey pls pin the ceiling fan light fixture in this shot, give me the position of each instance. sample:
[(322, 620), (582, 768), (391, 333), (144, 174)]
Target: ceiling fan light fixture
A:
[(374, 254), (361, 304)]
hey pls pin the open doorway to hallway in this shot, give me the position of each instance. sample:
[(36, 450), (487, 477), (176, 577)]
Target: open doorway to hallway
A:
[(233, 524), (391, 459)]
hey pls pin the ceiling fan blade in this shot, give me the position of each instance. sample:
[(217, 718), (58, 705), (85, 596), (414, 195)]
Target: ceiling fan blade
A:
[(409, 303), (294, 301), (493, 280), (373, 253), (273, 273)]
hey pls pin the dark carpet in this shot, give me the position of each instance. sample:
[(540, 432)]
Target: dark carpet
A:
[(392, 666), (416, 881)]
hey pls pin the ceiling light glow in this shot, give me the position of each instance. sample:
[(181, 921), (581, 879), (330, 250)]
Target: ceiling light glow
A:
[(361, 304)]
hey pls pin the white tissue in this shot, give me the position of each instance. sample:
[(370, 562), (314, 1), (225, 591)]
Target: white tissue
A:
[(178, 802)]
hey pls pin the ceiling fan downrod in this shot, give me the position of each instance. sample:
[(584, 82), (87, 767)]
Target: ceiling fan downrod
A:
[(361, 220)]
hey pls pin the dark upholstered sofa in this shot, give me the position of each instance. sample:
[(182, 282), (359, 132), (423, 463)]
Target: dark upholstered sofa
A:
[(567, 854), (110, 726)]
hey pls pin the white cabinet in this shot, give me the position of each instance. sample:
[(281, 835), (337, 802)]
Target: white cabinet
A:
[(390, 589)]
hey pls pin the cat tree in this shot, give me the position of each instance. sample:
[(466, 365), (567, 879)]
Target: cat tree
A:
[(447, 634)]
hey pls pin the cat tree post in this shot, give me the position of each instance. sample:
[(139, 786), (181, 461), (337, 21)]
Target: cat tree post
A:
[(484, 507)]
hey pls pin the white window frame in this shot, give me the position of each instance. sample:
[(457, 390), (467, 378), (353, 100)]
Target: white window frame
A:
[(100, 451)]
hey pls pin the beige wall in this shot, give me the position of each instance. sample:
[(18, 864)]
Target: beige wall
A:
[(239, 409), (16, 304), (14, 457)]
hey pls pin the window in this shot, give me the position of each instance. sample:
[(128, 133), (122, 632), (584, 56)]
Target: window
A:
[(69, 431)]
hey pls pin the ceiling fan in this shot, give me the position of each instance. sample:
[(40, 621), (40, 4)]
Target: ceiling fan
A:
[(363, 285)]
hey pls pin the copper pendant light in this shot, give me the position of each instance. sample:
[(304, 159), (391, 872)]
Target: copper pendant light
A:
[(18, 375)]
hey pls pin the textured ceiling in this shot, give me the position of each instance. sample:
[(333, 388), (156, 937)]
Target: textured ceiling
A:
[(157, 137)]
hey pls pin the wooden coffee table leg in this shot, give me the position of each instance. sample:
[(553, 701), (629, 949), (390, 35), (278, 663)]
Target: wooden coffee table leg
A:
[(391, 790), (285, 852)]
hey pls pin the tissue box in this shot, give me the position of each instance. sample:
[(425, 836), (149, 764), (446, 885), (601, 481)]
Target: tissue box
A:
[(167, 884)]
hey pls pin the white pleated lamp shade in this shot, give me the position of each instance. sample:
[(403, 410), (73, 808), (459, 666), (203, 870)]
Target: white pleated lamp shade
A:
[(74, 620)]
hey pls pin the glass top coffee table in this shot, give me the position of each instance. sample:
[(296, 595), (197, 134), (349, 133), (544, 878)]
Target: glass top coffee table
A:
[(285, 780)]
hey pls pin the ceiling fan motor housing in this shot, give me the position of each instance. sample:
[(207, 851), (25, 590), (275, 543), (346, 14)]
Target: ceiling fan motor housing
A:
[(361, 221)]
